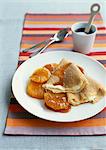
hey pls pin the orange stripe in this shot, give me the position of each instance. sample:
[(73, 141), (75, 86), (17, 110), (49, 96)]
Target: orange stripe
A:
[(39, 32), (56, 45), (29, 38), (23, 58), (100, 37), (51, 46), (45, 123), (100, 45), (37, 38), (57, 22)]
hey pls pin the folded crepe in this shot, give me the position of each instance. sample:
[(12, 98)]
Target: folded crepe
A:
[(55, 81), (58, 74), (74, 79), (67, 77), (92, 92)]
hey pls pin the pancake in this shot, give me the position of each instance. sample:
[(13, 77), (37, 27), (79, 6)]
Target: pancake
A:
[(92, 93), (74, 79)]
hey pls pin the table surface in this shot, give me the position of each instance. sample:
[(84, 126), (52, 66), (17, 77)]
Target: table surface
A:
[(11, 22)]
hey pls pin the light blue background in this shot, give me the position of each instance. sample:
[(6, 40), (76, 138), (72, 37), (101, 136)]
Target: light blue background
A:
[(11, 21)]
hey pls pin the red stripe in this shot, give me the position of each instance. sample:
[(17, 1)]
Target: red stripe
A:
[(24, 54), (99, 28), (42, 28), (16, 108), (91, 54), (104, 109), (97, 53)]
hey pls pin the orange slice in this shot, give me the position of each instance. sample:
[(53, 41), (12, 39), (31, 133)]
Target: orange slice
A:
[(56, 101), (51, 67), (40, 75), (35, 90)]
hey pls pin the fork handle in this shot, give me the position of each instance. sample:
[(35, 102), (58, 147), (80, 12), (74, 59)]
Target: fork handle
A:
[(42, 49), (35, 46)]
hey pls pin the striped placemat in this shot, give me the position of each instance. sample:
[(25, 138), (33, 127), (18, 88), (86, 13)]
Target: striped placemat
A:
[(39, 27)]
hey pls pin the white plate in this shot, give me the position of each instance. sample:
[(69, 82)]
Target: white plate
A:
[(93, 68)]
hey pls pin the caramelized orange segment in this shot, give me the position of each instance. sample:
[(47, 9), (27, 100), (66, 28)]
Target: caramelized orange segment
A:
[(57, 101), (35, 90), (51, 67), (40, 75)]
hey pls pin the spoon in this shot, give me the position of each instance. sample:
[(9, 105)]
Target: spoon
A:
[(58, 37), (95, 8)]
